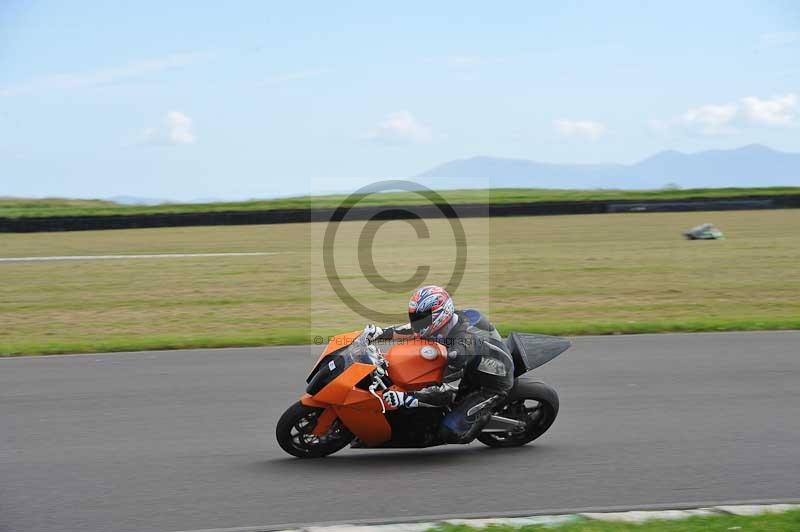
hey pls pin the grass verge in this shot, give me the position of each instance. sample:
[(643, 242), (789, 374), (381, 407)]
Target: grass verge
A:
[(780, 522), (566, 275), (303, 337)]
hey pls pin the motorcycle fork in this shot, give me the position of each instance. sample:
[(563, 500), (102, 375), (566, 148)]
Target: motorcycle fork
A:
[(324, 422)]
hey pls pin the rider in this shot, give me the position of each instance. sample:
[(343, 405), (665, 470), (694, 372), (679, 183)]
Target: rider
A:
[(473, 346)]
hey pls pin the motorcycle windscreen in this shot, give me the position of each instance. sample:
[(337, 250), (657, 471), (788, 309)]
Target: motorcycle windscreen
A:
[(530, 351), (335, 344)]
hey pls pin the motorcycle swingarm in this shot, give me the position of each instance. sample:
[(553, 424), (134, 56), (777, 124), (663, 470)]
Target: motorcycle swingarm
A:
[(503, 424)]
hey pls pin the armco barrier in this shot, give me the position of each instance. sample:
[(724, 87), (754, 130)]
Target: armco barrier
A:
[(469, 210)]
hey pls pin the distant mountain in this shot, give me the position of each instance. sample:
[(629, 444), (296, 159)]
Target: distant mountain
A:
[(752, 165), (135, 200)]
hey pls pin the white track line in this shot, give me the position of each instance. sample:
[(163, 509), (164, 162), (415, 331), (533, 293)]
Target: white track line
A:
[(123, 257)]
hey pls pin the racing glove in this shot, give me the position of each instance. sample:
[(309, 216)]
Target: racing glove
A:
[(395, 399), (372, 332)]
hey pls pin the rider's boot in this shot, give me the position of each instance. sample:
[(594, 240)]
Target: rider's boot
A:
[(467, 419)]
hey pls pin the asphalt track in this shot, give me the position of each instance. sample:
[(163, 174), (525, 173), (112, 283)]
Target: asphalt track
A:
[(183, 440)]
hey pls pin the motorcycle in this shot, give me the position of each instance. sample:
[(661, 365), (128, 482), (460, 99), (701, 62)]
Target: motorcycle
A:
[(343, 403)]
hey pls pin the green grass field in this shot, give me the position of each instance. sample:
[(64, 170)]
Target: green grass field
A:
[(19, 207), (618, 273), (780, 522)]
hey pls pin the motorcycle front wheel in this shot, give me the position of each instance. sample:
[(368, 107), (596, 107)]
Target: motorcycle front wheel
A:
[(295, 433), (537, 408)]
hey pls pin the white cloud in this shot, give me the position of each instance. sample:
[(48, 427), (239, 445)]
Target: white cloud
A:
[(401, 127), (777, 111), (709, 119), (777, 39), (177, 128), (724, 119), (579, 128), (101, 77)]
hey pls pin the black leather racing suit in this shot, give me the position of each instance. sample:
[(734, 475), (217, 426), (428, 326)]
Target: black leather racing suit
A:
[(475, 347)]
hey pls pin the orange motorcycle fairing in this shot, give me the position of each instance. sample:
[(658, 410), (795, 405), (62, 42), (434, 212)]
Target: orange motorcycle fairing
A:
[(335, 392), (363, 416), (418, 363), (310, 401), (359, 410)]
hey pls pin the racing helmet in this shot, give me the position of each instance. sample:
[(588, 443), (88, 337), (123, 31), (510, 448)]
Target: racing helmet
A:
[(430, 309)]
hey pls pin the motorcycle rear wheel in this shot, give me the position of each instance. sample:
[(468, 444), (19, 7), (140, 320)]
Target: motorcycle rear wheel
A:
[(294, 433), (538, 409)]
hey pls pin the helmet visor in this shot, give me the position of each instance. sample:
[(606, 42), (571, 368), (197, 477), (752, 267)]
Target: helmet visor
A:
[(420, 320)]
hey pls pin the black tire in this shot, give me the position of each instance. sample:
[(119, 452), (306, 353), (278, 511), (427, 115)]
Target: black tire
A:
[(294, 433), (534, 402)]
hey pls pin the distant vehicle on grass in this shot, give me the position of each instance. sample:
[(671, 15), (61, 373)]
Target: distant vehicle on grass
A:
[(704, 232)]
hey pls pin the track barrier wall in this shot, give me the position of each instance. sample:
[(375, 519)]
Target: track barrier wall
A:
[(286, 216)]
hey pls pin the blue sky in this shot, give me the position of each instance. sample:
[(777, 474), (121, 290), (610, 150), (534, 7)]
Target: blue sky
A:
[(188, 100)]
